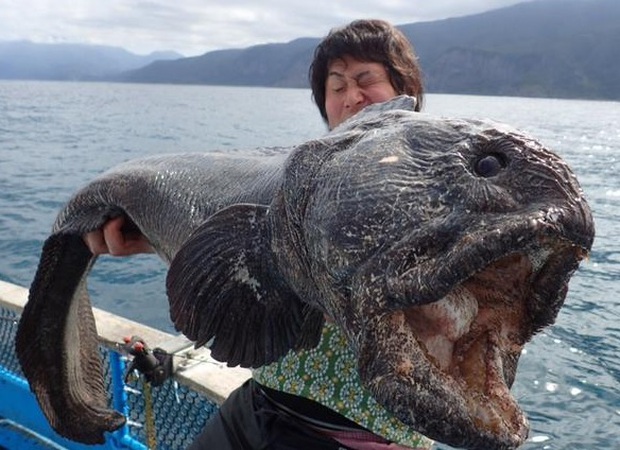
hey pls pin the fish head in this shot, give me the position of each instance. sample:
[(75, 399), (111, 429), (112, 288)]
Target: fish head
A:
[(440, 247)]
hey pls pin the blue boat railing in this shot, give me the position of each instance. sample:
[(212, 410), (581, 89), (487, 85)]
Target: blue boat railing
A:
[(165, 417)]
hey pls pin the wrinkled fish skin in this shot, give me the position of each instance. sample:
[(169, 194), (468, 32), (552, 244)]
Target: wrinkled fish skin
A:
[(439, 247), (165, 197)]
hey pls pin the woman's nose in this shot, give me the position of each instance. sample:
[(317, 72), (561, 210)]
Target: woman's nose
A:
[(354, 97)]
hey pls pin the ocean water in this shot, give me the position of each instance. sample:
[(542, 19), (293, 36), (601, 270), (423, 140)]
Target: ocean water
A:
[(54, 137)]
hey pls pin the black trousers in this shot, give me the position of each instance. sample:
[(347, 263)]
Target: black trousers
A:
[(250, 420)]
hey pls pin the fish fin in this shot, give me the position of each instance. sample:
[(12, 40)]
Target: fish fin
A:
[(224, 289), (66, 379), (311, 329), (365, 117)]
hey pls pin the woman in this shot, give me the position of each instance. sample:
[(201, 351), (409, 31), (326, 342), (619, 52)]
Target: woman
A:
[(365, 62), (314, 399)]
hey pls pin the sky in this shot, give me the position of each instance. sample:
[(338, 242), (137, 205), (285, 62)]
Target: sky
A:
[(194, 27)]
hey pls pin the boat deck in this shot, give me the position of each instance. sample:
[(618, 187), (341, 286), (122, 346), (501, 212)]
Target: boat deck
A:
[(164, 417)]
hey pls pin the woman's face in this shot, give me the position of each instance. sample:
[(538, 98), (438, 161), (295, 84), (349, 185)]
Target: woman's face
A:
[(351, 85)]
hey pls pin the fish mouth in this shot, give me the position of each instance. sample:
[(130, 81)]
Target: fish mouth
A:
[(447, 365), (473, 338)]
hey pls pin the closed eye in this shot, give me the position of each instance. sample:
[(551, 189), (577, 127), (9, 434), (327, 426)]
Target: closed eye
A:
[(368, 79)]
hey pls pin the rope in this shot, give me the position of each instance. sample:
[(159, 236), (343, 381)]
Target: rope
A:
[(10, 319), (149, 419)]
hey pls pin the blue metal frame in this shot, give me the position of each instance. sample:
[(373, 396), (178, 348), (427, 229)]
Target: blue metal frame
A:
[(23, 425), (119, 399)]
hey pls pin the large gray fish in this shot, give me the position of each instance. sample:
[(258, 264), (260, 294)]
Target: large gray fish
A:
[(439, 247)]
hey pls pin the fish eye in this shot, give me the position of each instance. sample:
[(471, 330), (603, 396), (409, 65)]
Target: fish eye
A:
[(489, 165)]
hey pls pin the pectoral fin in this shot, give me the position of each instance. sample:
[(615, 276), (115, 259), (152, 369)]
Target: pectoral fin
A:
[(224, 285)]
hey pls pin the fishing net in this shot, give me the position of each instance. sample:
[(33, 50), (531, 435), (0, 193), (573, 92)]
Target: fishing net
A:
[(164, 417)]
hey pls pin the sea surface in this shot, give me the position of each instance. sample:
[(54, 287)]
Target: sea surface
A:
[(55, 137)]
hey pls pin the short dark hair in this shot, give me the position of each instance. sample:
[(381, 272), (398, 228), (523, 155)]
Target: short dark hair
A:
[(368, 40)]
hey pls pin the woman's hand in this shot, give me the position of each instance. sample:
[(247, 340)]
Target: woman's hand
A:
[(111, 239)]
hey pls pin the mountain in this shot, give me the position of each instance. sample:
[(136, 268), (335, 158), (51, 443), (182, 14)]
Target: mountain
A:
[(27, 60), (541, 48), (550, 48), (544, 48), (283, 65)]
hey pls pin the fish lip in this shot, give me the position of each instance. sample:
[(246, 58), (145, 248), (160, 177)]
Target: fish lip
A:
[(435, 405), (480, 246)]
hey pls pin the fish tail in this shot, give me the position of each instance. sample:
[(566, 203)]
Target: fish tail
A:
[(67, 379)]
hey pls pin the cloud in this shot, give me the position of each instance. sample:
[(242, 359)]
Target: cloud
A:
[(194, 27)]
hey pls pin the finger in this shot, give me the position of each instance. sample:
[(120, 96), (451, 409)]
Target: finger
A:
[(121, 244), (96, 242), (114, 238)]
